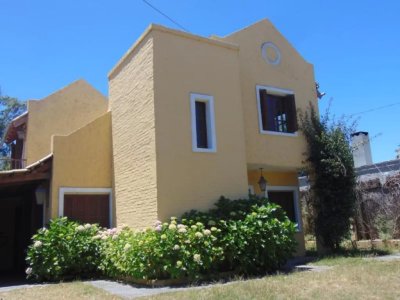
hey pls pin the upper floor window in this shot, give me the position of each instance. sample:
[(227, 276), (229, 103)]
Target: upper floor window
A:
[(203, 124), (276, 110)]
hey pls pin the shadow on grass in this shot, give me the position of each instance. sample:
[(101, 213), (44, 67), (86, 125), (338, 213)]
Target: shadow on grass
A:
[(354, 252)]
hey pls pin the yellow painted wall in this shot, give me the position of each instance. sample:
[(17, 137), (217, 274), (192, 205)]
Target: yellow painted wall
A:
[(61, 113), (279, 179), (131, 95), (82, 159), (185, 64), (293, 73)]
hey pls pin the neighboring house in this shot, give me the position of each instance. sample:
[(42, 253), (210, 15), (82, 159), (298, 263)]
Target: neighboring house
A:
[(189, 119)]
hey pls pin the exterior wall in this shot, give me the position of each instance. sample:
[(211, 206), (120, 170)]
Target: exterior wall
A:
[(133, 132), (186, 179), (61, 113), (82, 159), (280, 179), (293, 73)]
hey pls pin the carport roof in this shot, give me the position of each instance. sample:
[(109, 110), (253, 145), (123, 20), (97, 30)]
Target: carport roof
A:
[(39, 170)]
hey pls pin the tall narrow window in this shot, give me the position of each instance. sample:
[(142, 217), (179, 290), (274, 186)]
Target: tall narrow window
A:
[(203, 128), (277, 110), (201, 124)]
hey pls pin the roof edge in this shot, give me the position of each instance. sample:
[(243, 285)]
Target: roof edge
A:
[(160, 28)]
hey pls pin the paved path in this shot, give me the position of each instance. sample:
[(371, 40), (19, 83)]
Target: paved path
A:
[(390, 257), (128, 291)]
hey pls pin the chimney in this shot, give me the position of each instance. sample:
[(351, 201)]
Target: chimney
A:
[(398, 153), (361, 149)]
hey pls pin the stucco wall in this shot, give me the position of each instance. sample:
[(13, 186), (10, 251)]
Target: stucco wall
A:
[(280, 179), (131, 97), (61, 113), (186, 179), (293, 73), (82, 159)]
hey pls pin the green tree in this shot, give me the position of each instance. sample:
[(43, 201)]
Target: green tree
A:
[(9, 109), (332, 176)]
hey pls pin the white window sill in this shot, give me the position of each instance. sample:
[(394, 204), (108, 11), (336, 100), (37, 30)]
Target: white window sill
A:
[(205, 150), (279, 133)]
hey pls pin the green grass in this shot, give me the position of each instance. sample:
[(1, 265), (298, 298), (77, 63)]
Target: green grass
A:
[(352, 277)]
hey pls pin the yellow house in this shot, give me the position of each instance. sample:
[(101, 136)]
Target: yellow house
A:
[(188, 119)]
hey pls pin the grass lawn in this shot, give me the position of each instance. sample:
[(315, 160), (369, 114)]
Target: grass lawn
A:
[(70, 290), (350, 278)]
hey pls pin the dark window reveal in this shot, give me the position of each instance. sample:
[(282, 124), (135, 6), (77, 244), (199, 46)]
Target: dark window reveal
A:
[(201, 124), (286, 201), (278, 113)]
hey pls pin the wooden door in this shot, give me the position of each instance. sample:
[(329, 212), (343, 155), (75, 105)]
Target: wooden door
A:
[(88, 208)]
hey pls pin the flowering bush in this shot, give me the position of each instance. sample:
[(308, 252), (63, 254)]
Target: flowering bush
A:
[(243, 236), (256, 235), (169, 250), (63, 250)]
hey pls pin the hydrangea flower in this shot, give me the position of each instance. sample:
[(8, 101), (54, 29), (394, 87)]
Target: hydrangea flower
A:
[(163, 237), (87, 226), (207, 232), (127, 247), (172, 226), (197, 258), (199, 235), (176, 247), (28, 271), (194, 227), (80, 228), (213, 228), (182, 230), (179, 264), (159, 228), (37, 244)]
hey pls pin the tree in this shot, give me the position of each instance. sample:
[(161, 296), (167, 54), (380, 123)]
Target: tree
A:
[(332, 176), (9, 109)]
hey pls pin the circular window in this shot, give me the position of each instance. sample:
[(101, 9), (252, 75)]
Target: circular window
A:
[(271, 53)]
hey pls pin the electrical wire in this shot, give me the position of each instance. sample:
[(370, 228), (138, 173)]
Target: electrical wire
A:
[(165, 15), (374, 109)]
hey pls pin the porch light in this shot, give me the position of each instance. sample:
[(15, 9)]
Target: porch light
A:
[(262, 182)]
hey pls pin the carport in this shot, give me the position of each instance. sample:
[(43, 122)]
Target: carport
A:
[(23, 197)]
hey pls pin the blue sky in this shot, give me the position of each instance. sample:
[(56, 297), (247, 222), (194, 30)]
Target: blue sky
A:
[(354, 46)]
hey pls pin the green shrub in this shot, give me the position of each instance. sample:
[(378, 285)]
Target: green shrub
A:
[(170, 250), (66, 249), (256, 235)]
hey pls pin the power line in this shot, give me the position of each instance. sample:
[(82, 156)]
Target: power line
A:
[(376, 108), (165, 15)]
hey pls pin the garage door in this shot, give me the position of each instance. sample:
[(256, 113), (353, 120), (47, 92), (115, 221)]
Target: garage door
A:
[(88, 208)]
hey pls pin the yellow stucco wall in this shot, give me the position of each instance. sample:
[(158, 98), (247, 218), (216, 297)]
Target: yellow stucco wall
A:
[(131, 96), (293, 73), (82, 159), (185, 64), (280, 179), (61, 113)]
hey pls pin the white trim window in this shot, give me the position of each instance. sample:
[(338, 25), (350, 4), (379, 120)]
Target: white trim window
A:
[(203, 123), (288, 198), (84, 191), (276, 111)]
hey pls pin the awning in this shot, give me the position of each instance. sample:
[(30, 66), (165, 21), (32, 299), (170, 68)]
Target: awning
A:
[(37, 171)]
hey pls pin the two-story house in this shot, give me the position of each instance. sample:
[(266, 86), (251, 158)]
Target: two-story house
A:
[(189, 119)]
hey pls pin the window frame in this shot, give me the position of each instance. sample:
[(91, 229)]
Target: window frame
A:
[(277, 92), (296, 204), (210, 119), (82, 191)]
